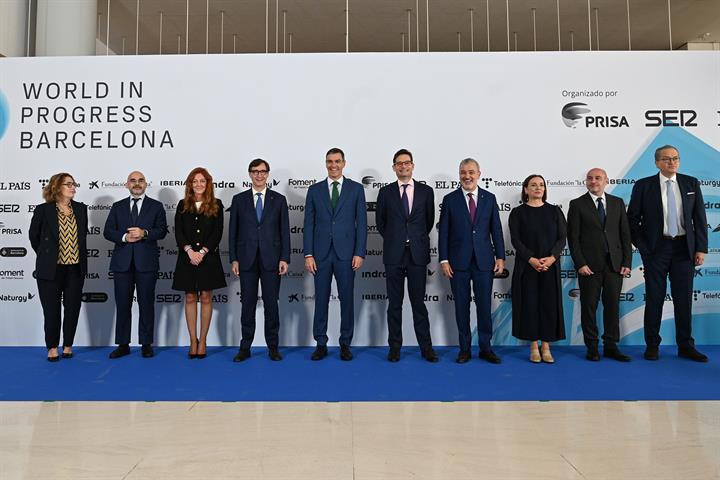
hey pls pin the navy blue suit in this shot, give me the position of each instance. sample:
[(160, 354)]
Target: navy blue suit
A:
[(333, 238), (406, 253), (259, 246), (135, 265), (663, 256), (471, 249)]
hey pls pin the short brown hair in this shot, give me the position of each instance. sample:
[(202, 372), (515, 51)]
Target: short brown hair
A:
[(51, 192)]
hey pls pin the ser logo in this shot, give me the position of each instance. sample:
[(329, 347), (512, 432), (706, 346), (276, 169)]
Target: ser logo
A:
[(576, 113), (671, 118)]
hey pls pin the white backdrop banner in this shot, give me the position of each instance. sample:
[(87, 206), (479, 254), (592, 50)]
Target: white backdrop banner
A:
[(101, 117)]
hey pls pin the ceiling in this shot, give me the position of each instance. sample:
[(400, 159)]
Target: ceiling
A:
[(382, 25)]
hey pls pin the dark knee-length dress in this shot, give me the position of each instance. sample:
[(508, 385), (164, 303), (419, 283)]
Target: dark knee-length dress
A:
[(537, 312), (198, 231)]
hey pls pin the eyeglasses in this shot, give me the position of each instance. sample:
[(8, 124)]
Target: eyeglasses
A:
[(259, 172), (70, 184), (403, 163), (670, 159)]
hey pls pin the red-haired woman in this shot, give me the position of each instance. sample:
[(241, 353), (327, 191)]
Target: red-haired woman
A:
[(198, 271), (58, 234)]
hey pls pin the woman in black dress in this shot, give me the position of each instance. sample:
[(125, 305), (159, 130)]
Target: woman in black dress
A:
[(198, 271), (538, 232)]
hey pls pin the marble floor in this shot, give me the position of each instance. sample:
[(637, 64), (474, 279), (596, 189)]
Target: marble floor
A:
[(360, 441)]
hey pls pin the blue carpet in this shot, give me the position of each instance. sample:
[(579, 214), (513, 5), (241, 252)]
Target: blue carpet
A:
[(171, 376)]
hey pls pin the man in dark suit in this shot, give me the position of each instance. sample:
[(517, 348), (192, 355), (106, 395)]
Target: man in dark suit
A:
[(259, 251), (334, 240), (599, 241), (405, 215), (472, 249), (669, 227), (135, 224)]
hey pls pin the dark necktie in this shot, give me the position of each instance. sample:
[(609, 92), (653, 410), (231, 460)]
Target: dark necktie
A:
[(601, 211), (259, 207), (134, 212), (335, 195), (405, 201), (472, 206)]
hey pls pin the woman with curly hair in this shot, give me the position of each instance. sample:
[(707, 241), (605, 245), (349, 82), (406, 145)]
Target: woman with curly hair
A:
[(58, 234), (198, 271)]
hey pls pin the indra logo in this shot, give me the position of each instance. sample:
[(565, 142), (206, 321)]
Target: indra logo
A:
[(573, 112), (4, 115)]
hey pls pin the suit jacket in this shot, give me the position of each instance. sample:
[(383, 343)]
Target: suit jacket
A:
[(199, 231), (645, 214), (143, 254), (344, 229), (458, 239), (269, 239), (44, 237), (587, 237), (396, 227)]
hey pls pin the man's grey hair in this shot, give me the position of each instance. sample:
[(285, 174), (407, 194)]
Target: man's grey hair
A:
[(470, 160)]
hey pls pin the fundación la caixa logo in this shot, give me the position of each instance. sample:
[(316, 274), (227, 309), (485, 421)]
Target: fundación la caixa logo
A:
[(4, 114)]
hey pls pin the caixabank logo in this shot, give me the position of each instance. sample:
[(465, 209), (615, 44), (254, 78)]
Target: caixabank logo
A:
[(4, 114)]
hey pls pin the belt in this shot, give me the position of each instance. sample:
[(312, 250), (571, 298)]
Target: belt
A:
[(676, 237)]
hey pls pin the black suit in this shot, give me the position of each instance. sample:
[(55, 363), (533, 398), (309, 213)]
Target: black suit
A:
[(605, 249), (58, 283), (664, 256), (406, 252), (258, 247)]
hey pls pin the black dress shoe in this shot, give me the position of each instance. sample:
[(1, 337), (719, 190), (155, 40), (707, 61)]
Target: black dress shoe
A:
[(67, 355), (489, 356), (394, 355), (463, 357), (616, 354), (274, 354), (242, 355), (345, 353), (120, 351), (651, 353), (593, 355), (430, 355), (319, 353), (692, 354), (147, 351), (56, 358)]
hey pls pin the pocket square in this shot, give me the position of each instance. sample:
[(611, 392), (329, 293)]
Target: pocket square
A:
[(690, 193)]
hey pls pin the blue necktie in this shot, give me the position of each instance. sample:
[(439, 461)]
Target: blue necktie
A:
[(259, 207), (405, 201), (672, 210), (134, 213), (601, 211)]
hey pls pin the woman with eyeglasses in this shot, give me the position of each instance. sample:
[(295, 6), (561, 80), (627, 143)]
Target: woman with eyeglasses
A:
[(538, 232), (58, 234), (198, 271)]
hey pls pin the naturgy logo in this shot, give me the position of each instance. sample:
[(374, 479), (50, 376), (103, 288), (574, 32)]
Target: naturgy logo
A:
[(4, 114)]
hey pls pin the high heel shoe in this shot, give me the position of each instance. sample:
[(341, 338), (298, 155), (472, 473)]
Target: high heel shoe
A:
[(200, 356), (190, 354), (535, 355), (547, 356)]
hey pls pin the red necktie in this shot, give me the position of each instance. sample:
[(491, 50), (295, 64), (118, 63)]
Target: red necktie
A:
[(472, 206)]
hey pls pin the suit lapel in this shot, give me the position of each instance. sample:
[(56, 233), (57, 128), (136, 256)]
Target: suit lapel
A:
[(417, 192), (342, 200), (590, 204), (79, 219), (250, 203), (53, 219), (267, 205), (657, 198)]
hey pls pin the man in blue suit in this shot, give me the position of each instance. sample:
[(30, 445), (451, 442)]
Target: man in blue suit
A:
[(259, 251), (405, 216), (472, 249), (669, 227), (135, 224), (334, 240)]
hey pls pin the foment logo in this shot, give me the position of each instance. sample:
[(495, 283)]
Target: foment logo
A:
[(573, 112), (4, 114)]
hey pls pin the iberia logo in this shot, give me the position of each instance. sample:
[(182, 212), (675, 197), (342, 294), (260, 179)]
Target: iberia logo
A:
[(4, 115)]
